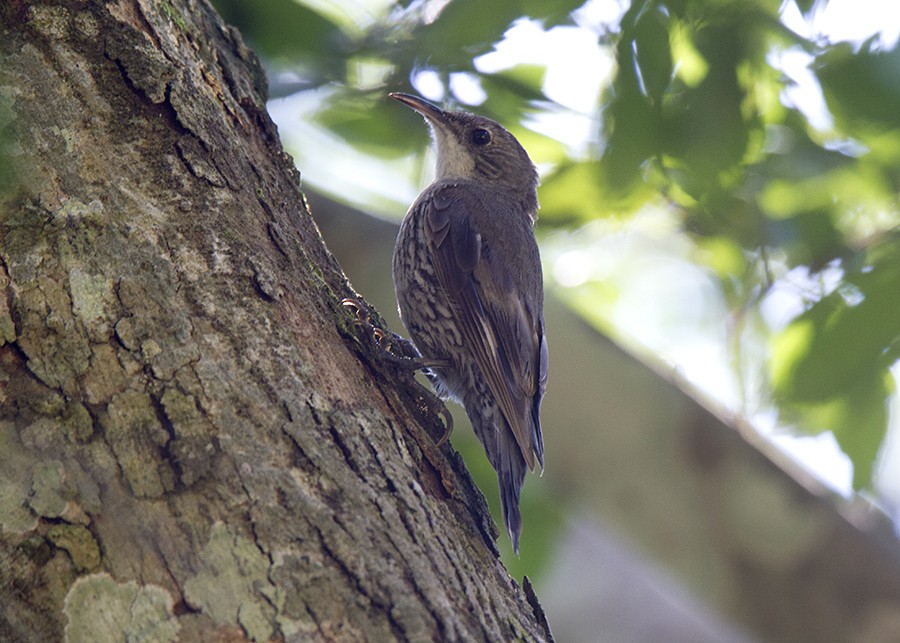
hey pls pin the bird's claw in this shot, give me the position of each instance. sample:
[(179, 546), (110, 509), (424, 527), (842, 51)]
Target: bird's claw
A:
[(363, 319), (383, 339), (396, 349), (402, 352)]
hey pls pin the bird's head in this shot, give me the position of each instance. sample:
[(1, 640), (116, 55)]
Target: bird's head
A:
[(475, 147)]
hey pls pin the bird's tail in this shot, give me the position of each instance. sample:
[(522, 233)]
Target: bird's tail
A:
[(505, 456), (511, 473)]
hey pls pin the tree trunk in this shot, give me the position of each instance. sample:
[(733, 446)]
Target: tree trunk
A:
[(197, 440)]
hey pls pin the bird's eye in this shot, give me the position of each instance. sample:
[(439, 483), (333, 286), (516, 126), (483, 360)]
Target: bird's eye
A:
[(481, 137)]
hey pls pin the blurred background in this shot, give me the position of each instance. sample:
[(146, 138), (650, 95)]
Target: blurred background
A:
[(720, 231)]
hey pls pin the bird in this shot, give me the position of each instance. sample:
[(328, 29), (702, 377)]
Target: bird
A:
[(469, 287)]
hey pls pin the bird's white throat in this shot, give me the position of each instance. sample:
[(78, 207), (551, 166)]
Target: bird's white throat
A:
[(453, 159)]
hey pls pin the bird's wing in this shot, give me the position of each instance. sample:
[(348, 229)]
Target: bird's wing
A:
[(505, 337)]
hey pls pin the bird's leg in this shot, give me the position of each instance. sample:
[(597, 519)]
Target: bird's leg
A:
[(401, 352)]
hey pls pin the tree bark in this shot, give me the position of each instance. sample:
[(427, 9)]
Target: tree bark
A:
[(198, 443)]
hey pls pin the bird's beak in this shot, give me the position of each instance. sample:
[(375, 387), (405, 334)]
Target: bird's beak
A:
[(434, 114)]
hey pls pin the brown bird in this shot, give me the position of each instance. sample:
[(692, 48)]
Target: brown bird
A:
[(467, 275)]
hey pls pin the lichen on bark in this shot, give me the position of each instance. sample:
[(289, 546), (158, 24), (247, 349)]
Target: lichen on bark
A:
[(195, 441)]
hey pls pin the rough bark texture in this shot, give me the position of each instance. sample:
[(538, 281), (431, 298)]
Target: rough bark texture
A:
[(194, 443)]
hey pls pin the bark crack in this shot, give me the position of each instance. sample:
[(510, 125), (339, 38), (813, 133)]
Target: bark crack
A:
[(385, 607), (345, 451)]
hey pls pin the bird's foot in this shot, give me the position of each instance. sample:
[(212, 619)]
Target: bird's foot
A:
[(396, 348), (403, 355)]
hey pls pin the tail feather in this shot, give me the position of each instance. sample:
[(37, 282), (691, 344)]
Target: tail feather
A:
[(506, 457), (511, 473), (536, 436), (537, 439)]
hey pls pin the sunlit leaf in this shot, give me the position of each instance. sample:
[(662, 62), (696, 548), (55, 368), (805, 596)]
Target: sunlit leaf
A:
[(577, 193), (691, 67), (526, 81), (858, 419), (722, 255), (830, 366), (572, 194), (784, 199), (541, 148), (852, 334)]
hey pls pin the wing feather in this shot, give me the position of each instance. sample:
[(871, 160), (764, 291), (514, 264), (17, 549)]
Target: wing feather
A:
[(505, 339)]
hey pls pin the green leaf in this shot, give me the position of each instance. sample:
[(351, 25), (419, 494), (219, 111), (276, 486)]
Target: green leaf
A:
[(523, 81), (551, 12), (794, 156), (287, 31), (861, 88), (572, 194), (844, 338), (805, 6), (653, 53), (633, 133), (858, 419), (577, 192), (466, 29), (373, 123), (829, 367), (705, 125)]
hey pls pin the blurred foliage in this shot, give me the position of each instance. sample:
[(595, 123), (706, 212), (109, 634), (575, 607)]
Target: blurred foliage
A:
[(697, 119)]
